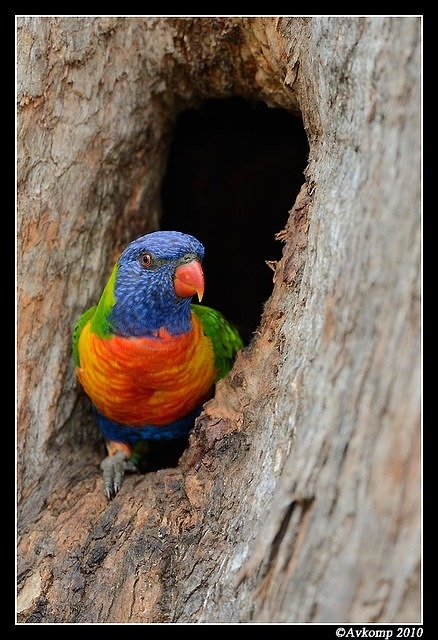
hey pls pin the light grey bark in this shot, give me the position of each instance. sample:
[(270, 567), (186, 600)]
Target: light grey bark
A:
[(299, 498)]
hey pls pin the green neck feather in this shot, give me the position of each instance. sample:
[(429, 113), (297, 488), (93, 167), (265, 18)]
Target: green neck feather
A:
[(99, 323)]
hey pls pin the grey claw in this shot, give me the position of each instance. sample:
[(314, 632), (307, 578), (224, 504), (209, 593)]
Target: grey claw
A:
[(113, 468)]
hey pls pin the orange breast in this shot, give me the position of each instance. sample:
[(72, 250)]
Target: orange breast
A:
[(136, 381)]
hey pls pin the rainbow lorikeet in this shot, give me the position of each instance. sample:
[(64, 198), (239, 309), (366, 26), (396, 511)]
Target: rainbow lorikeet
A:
[(146, 356)]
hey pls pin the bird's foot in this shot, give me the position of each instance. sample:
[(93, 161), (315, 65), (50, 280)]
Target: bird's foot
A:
[(113, 468)]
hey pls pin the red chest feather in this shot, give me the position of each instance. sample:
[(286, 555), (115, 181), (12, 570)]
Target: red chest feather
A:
[(140, 381)]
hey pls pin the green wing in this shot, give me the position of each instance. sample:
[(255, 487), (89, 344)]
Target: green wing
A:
[(84, 318), (224, 336)]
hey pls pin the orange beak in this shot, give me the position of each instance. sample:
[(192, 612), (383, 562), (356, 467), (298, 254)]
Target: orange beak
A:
[(189, 279)]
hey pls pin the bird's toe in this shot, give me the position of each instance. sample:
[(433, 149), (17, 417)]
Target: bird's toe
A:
[(113, 469)]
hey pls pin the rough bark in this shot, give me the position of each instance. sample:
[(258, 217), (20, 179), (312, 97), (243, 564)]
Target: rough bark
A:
[(298, 499)]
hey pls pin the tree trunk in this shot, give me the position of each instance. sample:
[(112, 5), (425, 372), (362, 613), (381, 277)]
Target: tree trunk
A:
[(298, 498)]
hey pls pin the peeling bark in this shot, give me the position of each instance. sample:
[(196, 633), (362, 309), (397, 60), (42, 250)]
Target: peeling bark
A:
[(298, 498)]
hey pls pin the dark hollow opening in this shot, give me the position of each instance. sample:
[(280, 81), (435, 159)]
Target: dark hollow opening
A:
[(234, 171)]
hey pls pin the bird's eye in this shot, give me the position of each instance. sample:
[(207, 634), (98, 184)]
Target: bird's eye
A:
[(145, 259)]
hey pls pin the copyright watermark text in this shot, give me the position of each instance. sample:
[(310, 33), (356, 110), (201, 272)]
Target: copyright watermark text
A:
[(364, 632)]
